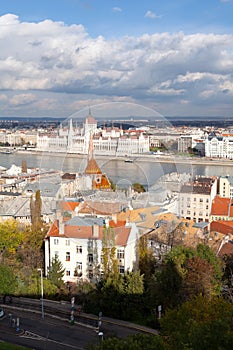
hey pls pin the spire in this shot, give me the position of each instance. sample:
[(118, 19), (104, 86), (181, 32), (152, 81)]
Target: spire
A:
[(91, 148)]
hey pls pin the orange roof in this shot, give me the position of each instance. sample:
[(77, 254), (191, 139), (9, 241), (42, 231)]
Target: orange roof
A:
[(92, 167), (86, 232), (222, 226), (53, 231), (69, 206), (222, 206)]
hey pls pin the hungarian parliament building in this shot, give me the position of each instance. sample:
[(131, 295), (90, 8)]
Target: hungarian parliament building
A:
[(106, 141)]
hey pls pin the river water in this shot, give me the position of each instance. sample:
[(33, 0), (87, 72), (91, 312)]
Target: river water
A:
[(144, 171)]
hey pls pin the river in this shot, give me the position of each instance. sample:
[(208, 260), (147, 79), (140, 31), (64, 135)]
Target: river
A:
[(145, 171)]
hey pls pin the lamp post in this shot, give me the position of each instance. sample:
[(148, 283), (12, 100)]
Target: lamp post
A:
[(42, 292)]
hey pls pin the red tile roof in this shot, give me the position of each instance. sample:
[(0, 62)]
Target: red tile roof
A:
[(69, 206), (222, 226), (222, 206), (86, 232)]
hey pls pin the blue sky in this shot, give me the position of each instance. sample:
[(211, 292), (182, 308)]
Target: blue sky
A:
[(172, 56)]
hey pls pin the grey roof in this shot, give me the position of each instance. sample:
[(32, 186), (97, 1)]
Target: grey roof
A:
[(20, 207), (85, 221), (201, 224), (47, 189)]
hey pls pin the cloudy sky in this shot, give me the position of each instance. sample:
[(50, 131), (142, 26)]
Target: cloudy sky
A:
[(173, 56)]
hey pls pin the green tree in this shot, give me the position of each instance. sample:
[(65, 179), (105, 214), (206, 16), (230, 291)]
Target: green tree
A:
[(137, 187), (56, 273), (8, 282), (11, 238), (199, 324), (134, 283), (110, 265), (132, 342), (147, 261)]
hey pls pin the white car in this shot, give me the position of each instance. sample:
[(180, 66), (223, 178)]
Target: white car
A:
[(2, 313)]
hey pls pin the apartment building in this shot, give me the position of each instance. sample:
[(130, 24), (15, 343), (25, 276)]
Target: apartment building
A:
[(78, 244), (226, 186), (195, 198)]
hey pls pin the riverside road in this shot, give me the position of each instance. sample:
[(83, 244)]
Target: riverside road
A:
[(57, 333)]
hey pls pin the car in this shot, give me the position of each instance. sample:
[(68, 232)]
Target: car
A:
[(2, 313)]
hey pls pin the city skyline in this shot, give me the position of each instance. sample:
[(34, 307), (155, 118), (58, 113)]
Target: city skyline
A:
[(174, 58)]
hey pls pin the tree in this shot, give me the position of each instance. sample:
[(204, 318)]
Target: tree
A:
[(8, 280), (147, 262), (110, 267), (132, 342), (36, 209), (137, 187), (56, 273), (199, 324), (199, 278)]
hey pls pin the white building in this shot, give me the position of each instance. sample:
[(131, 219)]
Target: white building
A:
[(226, 186), (114, 142), (78, 243), (195, 198), (219, 146)]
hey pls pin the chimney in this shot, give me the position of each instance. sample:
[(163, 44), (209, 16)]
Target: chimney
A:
[(60, 222), (114, 217), (95, 231)]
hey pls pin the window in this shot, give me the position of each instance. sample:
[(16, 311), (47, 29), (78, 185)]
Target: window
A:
[(56, 255), (79, 249), (121, 269), (120, 253), (79, 266), (201, 200), (90, 258), (67, 256), (194, 199), (56, 241), (67, 272), (207, 200), (67, 242), (207, 207)]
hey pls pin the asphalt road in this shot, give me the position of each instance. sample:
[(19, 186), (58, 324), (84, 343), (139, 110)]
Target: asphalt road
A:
[(55, 333), (47, 333)]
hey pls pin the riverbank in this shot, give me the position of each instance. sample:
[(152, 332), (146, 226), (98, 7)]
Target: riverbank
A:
[(172, 159)]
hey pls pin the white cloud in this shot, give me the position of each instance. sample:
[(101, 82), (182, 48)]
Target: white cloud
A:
[(22, 99), (56, 67), (150, 14), (117, 9)]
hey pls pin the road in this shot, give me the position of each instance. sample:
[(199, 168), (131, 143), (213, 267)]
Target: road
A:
[(56, 333), (47, 333)]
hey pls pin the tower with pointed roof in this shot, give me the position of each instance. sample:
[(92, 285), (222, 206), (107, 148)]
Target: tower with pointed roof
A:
[(99, 180)]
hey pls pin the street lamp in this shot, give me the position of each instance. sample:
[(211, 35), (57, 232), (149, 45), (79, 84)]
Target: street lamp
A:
[(42, 292)]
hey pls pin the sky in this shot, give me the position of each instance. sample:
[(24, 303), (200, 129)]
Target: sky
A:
[(59, 57)]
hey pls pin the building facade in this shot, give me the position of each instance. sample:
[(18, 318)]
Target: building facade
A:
[(195, 198), (78, 245), (106, 141)]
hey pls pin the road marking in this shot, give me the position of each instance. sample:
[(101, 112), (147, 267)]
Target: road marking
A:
[(34, 336)]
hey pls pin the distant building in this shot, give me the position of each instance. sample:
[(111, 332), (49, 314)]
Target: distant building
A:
[(219, 146), (195, 198), (106, 141)]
